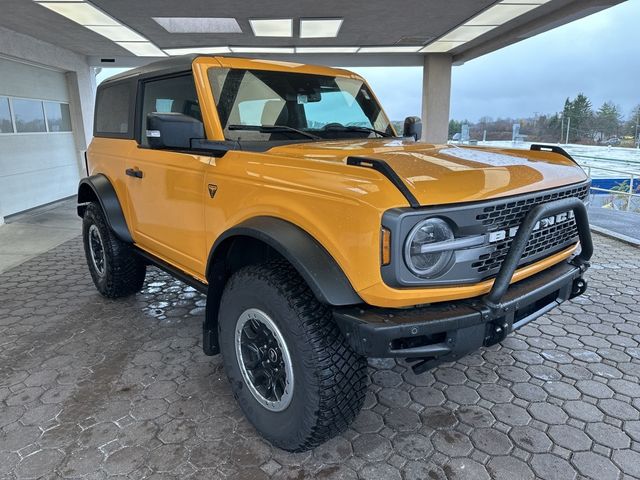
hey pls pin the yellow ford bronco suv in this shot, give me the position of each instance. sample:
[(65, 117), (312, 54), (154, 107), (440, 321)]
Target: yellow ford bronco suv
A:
[(318, 235)]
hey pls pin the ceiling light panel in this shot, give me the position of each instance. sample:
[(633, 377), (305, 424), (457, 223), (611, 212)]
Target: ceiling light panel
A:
[(440, 47), (320, 28), (262, 49), (198, 25), (466, 33), (202, 50), (142, 49), (390, 49), (81, 13), (282, 27), (117, 33), (327, 49), (500, 14)]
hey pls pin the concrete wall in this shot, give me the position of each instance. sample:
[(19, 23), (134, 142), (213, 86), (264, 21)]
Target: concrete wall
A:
[(40, 168)]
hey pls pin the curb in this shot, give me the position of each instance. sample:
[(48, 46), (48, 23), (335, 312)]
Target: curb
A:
[(634, 242)]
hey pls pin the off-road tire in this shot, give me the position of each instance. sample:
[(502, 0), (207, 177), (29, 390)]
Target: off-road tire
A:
[(124, 270), (330, 380)]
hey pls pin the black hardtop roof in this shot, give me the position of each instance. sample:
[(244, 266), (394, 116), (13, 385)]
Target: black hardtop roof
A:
[(167, 66)]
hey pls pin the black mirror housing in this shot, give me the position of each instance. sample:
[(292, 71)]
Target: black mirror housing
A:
[(172, 130), (412, 128)]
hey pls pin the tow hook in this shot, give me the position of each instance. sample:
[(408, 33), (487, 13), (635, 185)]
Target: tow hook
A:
[(496, 332), (579, 287)]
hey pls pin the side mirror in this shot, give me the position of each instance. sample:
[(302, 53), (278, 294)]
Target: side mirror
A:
[(172, 130), (412, 128)]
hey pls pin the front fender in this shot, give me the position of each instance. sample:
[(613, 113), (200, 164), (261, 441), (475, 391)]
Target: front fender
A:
[(312, 261), (98, 187)]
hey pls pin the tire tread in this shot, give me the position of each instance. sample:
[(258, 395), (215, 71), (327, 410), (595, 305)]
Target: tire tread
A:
[(341, 374), (126, 270)]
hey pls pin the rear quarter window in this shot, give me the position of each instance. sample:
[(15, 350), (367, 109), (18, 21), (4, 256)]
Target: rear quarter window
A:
[(114, 107)]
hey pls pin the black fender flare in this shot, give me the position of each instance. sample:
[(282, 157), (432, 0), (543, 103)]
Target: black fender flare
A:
[(315, 265), (312, 261), (99, 187)]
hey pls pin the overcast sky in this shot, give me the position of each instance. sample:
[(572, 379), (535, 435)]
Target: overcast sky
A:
[(598, 55)]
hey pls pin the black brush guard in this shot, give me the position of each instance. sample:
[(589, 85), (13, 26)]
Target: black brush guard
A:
[(428, 336)]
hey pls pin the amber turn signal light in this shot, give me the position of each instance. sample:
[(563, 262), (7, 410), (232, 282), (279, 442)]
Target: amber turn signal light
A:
[(385, 246)]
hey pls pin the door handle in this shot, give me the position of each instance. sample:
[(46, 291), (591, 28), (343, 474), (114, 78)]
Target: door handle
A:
[(134, 172)]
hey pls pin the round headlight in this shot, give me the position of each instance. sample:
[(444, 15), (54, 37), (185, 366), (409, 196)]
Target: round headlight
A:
[(432, 230)]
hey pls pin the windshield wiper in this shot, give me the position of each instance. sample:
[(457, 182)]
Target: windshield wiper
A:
[(357, 128), (273, 129)]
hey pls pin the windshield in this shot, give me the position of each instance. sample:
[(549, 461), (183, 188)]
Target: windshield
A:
[(322, 106)]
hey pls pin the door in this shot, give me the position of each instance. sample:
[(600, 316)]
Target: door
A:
[(39, 157), (166, 188)]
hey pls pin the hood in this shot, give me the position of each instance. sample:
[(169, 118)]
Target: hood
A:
[(440, 174)]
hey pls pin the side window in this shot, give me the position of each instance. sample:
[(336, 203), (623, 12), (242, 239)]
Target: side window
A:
[(169, 95), (113, 110)]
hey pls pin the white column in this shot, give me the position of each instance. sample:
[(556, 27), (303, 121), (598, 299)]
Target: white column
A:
[(436, 98), (82, 92)]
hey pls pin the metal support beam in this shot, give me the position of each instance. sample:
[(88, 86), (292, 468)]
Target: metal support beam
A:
[(342, 60), (436, 98)]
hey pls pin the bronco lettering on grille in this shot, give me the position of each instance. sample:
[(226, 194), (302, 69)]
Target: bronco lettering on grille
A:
[(547, 222)]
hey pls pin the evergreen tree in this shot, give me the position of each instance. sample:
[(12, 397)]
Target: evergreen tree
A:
[(454, 127), (630, 125), (607, 120), (581, 114)]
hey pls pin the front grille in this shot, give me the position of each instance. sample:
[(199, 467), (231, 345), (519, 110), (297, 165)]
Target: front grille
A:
[(542, 243)]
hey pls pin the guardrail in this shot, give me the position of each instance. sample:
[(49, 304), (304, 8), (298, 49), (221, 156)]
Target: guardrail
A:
[(632, 176)]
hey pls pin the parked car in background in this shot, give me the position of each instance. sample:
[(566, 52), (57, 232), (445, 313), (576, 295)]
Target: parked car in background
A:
[(612, 141)]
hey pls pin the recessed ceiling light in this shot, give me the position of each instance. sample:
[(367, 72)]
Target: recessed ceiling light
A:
[(262, 49), (326, 49), (117, 33), (440, 47), (282, 27), (203, 50), (198, 25), (465, 33), (500, 13), (81, 13), (389, 49), (320, 28), (142, 49)]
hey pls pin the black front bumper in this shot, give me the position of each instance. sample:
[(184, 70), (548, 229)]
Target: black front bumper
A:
[(444, 332)]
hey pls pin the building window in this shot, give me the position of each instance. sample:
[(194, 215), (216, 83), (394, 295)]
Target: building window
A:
[(23, 115), (58, 116), (29, 115), (6, 125)]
